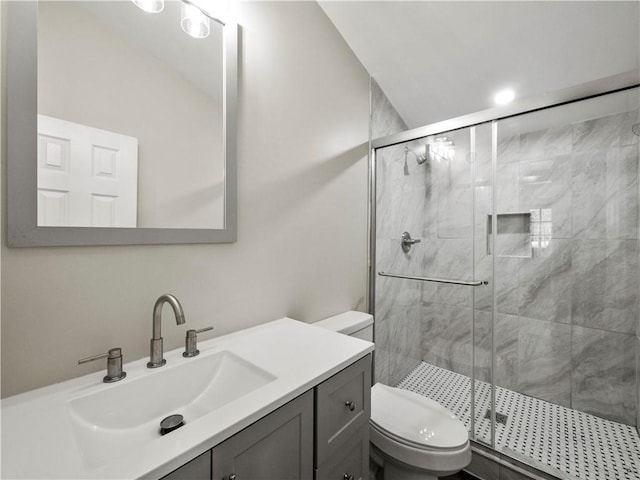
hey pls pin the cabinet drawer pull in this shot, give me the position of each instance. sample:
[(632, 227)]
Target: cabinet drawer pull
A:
[(230, 477), (348, 477), (351, 405)]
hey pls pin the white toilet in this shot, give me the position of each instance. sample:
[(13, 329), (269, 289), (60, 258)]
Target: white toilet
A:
[(412, 436)]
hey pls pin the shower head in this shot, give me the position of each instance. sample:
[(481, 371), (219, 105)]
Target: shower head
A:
[(635, 128), (420, 159), (427, 155)]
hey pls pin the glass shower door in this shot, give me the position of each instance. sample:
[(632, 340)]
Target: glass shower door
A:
[(401, 189), (483, 300), (435, 337), (567, 275)]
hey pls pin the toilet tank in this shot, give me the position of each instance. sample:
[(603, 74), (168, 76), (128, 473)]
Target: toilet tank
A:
[(354, 324)]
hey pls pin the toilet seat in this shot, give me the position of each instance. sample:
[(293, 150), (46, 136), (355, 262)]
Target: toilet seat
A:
[(413, 430), (415, 420), (408, 443)]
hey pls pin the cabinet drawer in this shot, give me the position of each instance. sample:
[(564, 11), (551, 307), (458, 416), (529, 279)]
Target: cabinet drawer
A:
[(343, 406), (352, 459)]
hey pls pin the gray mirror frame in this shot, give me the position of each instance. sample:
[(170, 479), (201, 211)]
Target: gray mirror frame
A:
[(22, 228)]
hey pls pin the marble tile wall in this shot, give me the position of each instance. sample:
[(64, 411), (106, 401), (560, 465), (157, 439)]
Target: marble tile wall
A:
[(385, 119), (638, 341), (401, 199), (567, 323), (577, 299), (448, 242)]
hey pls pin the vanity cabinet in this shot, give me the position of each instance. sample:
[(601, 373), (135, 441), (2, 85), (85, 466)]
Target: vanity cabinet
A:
[(351, 460), (197, 469), (279, 446), (322, 434)]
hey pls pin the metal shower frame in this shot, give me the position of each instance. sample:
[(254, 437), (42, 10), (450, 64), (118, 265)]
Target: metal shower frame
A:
[(605, 86)]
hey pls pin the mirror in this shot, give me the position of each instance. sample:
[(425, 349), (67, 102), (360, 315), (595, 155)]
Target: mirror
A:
[(122, 128)]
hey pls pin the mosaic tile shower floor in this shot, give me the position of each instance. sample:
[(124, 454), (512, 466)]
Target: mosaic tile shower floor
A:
[(562, 441)]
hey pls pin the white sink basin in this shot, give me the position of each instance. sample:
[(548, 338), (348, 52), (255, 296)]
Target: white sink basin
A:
[(127, 414)]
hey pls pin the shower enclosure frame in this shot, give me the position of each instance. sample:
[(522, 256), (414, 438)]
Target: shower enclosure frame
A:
[(608, 85)]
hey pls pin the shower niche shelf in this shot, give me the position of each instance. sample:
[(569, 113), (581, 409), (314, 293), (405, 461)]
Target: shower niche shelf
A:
[(514, 235)]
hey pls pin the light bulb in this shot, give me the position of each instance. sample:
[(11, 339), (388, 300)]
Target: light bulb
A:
[(194, 22), (151, 6)]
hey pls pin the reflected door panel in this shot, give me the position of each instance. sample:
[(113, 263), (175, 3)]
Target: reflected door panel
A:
[(87, 177)]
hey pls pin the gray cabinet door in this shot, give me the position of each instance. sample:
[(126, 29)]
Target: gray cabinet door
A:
[(277, 447), (351, 461), (197, 469), (343, 407)]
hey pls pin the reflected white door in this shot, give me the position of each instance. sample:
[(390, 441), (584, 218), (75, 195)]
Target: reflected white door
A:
[(87, 177)]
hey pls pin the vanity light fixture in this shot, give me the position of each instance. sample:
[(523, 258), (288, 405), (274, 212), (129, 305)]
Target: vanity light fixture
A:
[(151, 6), (194, 21)]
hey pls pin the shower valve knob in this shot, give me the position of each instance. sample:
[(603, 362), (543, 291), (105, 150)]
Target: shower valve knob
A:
[(407, 242)]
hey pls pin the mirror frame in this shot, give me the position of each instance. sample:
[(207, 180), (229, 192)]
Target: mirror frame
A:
[(22, 227)]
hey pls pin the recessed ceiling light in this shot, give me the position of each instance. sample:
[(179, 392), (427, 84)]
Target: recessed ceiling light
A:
[(504, 96)]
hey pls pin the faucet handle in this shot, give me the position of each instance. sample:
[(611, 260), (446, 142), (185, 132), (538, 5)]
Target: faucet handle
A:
[(205, 329), (114, 364), (191, 342)]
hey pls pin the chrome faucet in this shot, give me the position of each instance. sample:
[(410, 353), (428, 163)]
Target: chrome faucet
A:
[(156, 360)]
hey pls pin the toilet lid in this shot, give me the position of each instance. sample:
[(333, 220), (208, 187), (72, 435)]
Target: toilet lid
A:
[(414, 419)]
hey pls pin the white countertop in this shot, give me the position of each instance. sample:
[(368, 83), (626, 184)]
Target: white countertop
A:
[(38, 440)]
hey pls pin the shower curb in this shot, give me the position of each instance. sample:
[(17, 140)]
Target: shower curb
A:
[(501, 463)]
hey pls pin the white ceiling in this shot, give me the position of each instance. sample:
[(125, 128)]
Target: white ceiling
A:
[(439, 60)]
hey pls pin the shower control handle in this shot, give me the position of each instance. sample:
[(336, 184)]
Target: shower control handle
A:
[(407, 242), (351, 405)]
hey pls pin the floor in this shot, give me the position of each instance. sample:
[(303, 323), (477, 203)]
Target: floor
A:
[(561, 441), (459, 476)]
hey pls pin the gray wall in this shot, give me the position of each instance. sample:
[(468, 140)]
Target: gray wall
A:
[(302, 210), (566, 324)]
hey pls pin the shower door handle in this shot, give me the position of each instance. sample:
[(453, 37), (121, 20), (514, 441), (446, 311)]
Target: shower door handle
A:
[(472, 283)]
